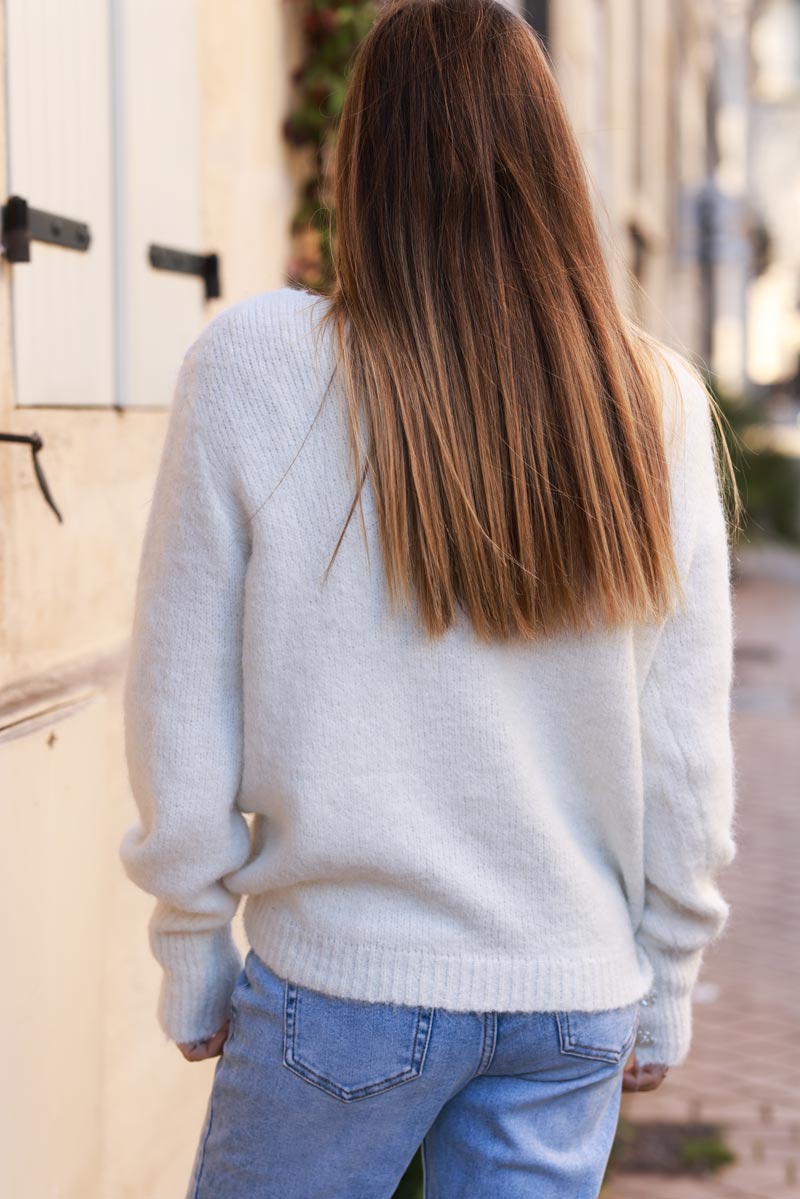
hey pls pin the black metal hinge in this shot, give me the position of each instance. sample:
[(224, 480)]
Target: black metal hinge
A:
[(36, 443), (23, 224), (165, 258)]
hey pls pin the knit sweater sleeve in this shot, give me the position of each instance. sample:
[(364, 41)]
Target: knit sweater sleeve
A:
[(183, 710), (688, 761)]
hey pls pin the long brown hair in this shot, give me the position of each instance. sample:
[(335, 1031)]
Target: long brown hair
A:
[(512, 413)]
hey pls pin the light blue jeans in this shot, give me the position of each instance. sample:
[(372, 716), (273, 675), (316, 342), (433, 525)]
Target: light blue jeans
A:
[(316, 1097)]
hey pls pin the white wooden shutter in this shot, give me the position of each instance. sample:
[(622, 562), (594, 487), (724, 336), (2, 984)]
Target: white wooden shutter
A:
[(103, 115), (59, 160), (157, 106)]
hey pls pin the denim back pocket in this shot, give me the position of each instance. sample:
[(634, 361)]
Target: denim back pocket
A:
[(351, 1048), (605, 1036)]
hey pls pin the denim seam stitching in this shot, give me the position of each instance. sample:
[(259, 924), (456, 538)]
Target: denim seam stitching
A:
[(232, 1026), (427, 1190), (489, 1042), (202, 1161)]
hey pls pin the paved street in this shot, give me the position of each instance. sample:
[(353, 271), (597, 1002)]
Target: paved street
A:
[(744, 1068)]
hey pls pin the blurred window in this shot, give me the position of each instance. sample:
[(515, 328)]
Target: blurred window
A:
[(775, 45)]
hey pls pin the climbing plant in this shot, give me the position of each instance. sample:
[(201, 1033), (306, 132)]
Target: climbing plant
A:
[(331, 32)]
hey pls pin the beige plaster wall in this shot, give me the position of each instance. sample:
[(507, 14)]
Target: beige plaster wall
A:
[(96, 1103)]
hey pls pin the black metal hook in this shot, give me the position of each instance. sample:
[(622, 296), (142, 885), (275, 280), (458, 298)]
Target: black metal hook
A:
[(36, 443), (22, 225), (166, 258)]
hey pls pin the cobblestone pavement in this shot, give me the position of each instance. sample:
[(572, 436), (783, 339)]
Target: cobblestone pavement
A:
[(743, 1071)]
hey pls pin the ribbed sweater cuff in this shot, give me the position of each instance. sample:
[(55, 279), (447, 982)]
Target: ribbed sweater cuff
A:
[(665, 1031), (665, 1024), (199, 974)]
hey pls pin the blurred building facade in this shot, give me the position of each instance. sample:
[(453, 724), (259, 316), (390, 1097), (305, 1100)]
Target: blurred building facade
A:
[(773, 349), (688, 114), (641, 81)]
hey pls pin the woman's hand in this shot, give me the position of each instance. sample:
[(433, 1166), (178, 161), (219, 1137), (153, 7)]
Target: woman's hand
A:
[(643, 1078), (198, 1051)]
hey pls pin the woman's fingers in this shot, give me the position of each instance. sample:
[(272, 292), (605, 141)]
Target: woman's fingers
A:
[(194, 1051), (199, 1051), (644, 1078), (218, 1040)]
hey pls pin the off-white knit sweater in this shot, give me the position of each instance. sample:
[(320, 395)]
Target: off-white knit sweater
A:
[(526, 827)]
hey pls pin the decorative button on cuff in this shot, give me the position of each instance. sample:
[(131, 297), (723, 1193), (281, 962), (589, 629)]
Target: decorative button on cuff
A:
[(644, 1037), (649, 999)]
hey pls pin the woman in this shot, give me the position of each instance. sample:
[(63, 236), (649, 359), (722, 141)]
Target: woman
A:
[(482, 731)]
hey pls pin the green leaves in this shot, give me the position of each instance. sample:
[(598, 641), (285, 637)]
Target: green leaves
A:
[(332, 32)]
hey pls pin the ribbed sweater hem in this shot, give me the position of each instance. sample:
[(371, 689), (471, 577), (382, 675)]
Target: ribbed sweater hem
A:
[(457, 981)]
